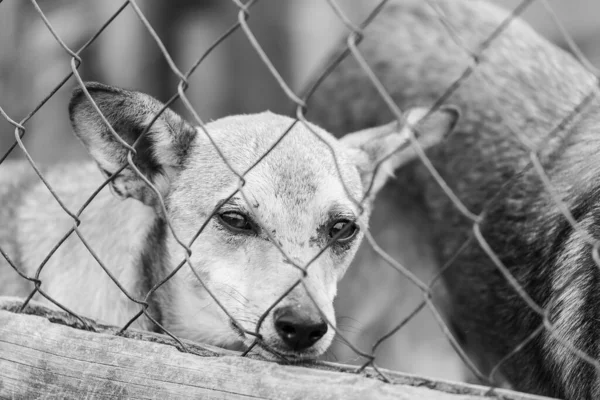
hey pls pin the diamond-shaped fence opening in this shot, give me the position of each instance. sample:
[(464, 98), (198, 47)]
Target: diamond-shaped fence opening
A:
[(74, 55)]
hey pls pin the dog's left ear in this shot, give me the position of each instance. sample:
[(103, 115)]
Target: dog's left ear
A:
[(160, 152), (383, 149)]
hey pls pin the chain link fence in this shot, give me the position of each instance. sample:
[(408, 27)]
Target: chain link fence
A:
[(299, 102)]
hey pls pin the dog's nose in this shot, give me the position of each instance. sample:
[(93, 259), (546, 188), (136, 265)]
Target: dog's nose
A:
[(299, 330)]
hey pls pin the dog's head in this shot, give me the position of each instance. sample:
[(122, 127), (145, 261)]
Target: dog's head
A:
[(297, 213)]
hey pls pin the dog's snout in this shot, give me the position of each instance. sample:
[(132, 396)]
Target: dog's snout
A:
[(299, 330)]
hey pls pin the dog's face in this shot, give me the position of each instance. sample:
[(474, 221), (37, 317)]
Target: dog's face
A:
[(292, 204), (295, 214)]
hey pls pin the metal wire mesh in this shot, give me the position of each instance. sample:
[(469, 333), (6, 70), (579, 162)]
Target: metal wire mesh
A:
[(356, 34)]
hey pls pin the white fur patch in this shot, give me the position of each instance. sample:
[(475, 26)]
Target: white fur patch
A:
[(113, 228)]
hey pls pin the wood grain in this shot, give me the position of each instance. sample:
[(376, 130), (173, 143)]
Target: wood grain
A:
[(47, 360)]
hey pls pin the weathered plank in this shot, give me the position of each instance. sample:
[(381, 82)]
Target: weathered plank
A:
[(40, 358)]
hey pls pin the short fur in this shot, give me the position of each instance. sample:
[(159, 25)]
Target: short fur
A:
[(295, 195), (522, 86)]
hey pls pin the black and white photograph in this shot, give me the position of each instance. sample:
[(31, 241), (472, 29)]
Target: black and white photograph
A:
[(300, 199)]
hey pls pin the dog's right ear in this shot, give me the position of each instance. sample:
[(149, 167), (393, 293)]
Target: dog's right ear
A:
[(160, 152), (379, 152)]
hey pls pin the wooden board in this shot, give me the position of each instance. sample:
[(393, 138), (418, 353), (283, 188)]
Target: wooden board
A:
[(44, 359)]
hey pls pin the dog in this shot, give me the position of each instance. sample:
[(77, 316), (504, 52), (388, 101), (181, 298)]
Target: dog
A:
[(513, 103), (297, 212)]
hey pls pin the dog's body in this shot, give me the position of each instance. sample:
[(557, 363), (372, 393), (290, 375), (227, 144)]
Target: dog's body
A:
[(295, 203), (37, 223), (522, 87)]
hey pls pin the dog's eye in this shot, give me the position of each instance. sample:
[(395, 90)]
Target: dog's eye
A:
[(345, 229), (235, 221)]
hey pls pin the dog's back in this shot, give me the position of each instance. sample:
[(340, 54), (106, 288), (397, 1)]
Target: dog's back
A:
[(15, 179), (520, 90), (34, 223)]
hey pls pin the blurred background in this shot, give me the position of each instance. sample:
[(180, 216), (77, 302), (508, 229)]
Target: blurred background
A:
[(296, 35)]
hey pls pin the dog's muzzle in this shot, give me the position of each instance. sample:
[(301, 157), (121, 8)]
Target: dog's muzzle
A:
[(299, 328)]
